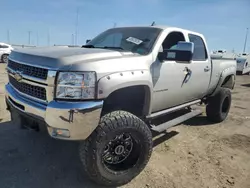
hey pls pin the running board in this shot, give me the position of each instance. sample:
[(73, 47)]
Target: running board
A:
[(174, 109), (163, 127)]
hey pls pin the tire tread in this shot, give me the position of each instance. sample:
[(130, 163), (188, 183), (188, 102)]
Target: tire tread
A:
[(109, 122)]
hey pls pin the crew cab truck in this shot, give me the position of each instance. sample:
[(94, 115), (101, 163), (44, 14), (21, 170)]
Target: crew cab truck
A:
[(107, 93)]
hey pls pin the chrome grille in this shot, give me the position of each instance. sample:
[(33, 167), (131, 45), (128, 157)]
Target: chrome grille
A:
[(28, 70), (31, 90)]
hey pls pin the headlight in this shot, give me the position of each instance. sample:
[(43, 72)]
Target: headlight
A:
[(76, 85)]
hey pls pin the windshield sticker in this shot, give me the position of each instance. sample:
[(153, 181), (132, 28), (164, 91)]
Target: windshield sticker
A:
[(134, 40)]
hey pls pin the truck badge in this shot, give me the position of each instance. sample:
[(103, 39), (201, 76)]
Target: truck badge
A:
[(18, 76)]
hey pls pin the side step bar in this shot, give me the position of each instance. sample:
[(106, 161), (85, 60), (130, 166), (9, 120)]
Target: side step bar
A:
[(163, 127), (170, 110)]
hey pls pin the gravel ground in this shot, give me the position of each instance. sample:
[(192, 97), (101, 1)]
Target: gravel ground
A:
[(195, 154)]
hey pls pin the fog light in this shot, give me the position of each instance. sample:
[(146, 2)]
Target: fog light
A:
[(60, 133)]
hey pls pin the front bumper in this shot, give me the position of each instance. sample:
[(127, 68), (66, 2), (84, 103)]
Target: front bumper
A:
[(77, 119)]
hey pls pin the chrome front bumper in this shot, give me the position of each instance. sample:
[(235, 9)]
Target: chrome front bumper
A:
[(65, 120)]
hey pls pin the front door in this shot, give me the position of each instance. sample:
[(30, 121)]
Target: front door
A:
[(170, 80)]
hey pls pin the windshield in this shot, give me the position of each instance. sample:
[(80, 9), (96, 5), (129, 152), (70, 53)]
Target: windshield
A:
[(240, 60), (135, 39)]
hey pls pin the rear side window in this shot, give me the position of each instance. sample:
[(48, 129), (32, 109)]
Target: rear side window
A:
[(200, 52)]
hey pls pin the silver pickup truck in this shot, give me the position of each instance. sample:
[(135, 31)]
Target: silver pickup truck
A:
[(108, 93)]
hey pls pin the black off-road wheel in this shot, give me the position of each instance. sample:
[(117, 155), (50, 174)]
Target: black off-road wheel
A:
[(118, 150), (219, 105)]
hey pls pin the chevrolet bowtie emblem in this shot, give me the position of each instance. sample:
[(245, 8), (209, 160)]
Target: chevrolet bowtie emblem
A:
[(18, 76)]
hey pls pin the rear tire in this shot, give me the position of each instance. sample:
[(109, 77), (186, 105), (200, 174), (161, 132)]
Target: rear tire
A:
[(118, 150), (219, 105), (4, 58)]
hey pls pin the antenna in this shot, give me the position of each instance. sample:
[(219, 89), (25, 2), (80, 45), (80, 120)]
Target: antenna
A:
[(153, 23), (244, 49)]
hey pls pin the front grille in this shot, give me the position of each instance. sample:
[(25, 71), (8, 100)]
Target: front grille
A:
[(29, 70), (34, 91)]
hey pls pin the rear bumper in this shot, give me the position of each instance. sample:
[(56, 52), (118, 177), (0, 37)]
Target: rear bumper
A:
[(64, 120)]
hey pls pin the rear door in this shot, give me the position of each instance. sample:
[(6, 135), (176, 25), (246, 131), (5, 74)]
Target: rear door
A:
[(200, 67)]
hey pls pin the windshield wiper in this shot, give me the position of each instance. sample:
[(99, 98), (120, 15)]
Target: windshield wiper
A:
[(88, 46), (112, 47)]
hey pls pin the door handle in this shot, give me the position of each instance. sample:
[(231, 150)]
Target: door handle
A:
[(187, 70), (206, 69)]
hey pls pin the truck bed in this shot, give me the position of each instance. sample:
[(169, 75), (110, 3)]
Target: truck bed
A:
[(220, 63)]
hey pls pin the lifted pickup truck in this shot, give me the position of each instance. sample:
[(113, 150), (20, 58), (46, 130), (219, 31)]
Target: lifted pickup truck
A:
[(107, 93)]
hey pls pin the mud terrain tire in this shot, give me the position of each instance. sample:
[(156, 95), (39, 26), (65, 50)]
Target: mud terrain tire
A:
[(219, 105), (100, 154)]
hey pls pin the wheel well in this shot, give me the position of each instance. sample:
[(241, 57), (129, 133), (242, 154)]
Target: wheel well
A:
[(228, 82), (3, 55), (133, 99)]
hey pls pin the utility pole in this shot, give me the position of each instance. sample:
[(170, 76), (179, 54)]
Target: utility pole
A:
[(72, 39), (8, 36), (48, 37), (244, 50), (76, 26), (29, 37), (37, 40)]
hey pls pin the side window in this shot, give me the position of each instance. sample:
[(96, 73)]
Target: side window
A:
[(4, 46), (200, 52), (172, 39)]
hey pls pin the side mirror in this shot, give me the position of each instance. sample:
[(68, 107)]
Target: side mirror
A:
[(87, 41), (182, 53)]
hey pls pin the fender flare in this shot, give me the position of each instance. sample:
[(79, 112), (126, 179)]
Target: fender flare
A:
[(119, 80), (230, 71)]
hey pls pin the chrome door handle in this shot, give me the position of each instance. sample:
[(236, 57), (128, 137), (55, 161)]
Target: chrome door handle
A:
[(206, 69)]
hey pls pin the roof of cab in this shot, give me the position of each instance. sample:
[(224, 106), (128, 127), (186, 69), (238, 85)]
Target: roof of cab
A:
[(163, 27), (1, 43)]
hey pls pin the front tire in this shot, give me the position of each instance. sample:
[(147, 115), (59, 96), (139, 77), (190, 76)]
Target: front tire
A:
[(219, 105), (4, 58), (118, 150)]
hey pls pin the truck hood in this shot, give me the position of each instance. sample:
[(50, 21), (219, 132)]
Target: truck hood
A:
[(58, 57)]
